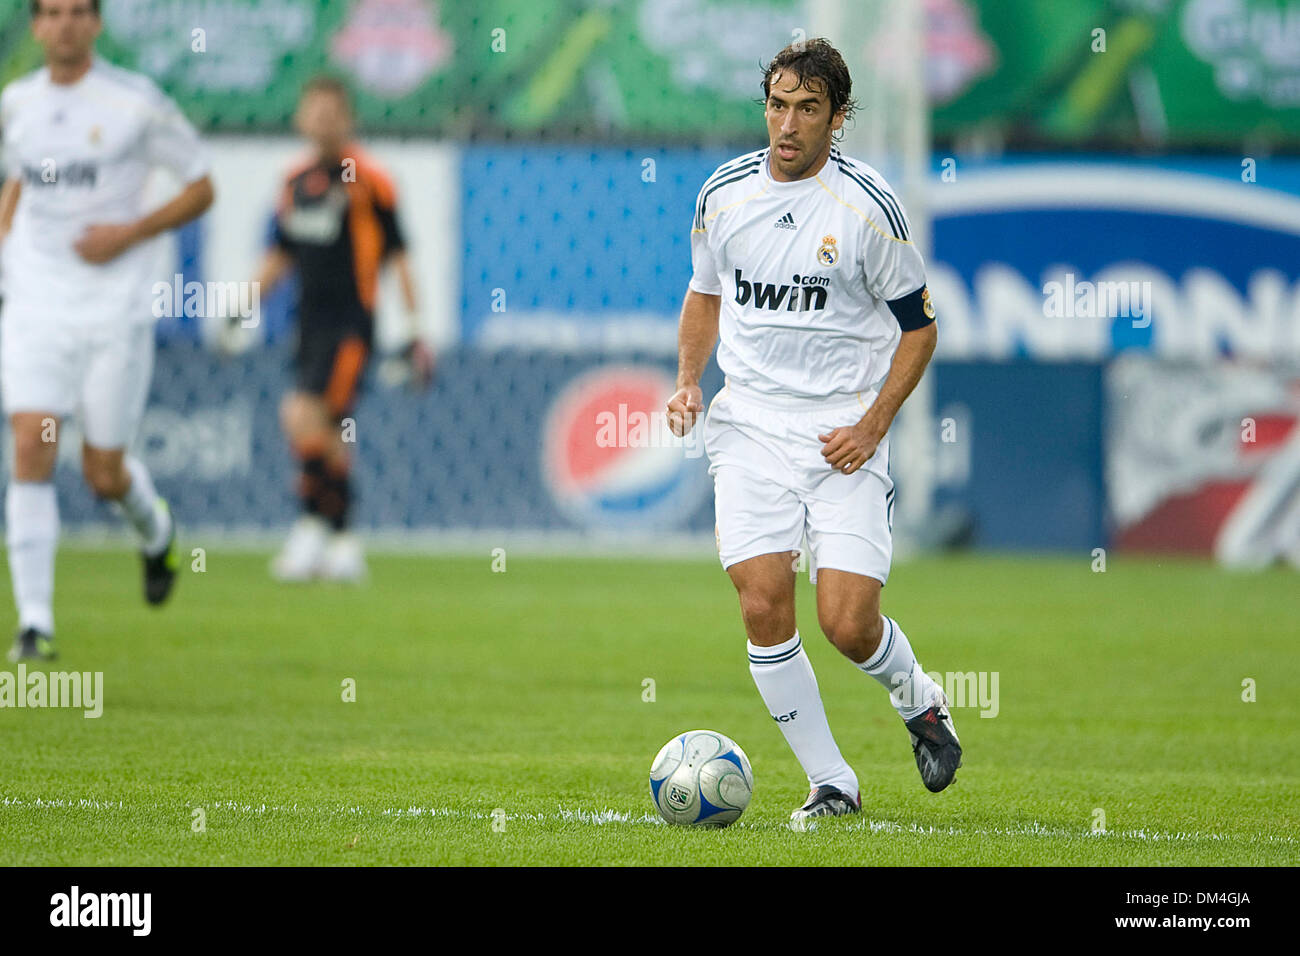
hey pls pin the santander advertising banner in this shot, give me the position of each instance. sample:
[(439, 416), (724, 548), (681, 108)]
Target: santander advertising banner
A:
[(1187, 275)]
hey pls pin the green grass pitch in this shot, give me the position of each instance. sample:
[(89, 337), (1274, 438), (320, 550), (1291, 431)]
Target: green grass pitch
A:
[(499, 717)]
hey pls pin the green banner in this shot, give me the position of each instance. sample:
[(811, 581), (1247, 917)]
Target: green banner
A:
[(1064, 72), (662, 68), (1165, 72)]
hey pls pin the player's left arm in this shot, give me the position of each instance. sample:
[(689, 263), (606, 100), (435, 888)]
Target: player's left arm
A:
[(170, 141), (418, 352), (895, 273), (849, 448), (854, 445), (103, 243)]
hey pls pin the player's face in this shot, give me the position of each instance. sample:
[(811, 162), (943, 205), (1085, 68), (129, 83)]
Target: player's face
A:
[(323, 117), (799, 126), (66, 30)]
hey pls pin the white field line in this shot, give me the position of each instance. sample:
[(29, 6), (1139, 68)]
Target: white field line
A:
[(608, 817)]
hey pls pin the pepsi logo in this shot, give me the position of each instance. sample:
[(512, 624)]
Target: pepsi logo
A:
[(609, 459)]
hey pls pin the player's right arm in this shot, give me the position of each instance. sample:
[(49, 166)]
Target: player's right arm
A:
[(697, 334), (275, 265), (697, 331), (13, 185), (9, 194), (277, 261)]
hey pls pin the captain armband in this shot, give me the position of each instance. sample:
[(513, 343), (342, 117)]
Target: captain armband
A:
[(914, 310)]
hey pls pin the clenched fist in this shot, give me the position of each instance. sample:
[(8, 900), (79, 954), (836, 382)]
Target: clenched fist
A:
[(683, 408)]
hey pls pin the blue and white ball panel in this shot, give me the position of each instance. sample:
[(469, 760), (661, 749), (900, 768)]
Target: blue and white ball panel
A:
[(701, 777)]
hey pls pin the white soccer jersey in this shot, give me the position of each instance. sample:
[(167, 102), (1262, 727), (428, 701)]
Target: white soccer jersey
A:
[(817, 277), (83, 152)]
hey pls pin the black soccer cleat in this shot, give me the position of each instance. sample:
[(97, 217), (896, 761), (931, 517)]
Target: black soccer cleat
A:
[(827, 801), (935, 744), (32, 645), (160, 571)]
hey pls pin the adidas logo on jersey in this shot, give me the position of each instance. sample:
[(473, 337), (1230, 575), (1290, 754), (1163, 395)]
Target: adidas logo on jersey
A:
[(786, 222), (808, 293)]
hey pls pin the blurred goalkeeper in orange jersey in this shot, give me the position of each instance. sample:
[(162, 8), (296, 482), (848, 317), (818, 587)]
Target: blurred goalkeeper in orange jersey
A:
[(336, 224)]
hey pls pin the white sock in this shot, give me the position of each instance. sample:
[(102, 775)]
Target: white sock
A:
[(146, 512), (785, 680), (911, 690), (32, 535)]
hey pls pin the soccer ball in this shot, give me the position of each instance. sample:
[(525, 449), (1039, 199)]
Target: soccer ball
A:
[(701, 778)]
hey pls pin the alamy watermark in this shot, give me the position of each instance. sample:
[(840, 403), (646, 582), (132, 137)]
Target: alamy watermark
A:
[(631, 428), (222, 300), (76, 908), (961, 688), (1083, 299), (78, 690)]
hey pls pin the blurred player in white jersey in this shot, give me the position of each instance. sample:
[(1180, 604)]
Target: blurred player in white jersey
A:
[(80, 138), (805, 268)]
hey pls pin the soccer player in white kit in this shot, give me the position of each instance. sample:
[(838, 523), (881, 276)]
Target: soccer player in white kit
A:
[(805, 270), (76, 332)]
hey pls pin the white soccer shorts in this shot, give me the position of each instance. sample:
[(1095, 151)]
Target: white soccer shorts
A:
[(772, 487), (100, 373)]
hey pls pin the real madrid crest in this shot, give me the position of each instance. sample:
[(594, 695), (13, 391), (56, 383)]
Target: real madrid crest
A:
[(926, 305), (828, 253)]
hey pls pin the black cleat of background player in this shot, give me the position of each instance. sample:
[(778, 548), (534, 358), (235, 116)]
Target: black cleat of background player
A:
[(32, 645), (160, 572)]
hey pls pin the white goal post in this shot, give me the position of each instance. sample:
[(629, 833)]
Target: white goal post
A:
[(883, 43)]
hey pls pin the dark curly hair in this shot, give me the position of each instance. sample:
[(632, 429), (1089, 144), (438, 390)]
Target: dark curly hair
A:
[(815, 60)]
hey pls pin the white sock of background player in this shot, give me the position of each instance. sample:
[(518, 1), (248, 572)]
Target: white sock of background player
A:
[(32, 535), (144, 509), (911, 690), (786, 682)]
